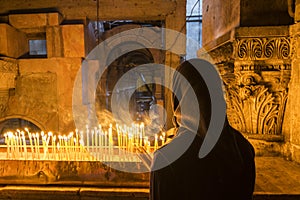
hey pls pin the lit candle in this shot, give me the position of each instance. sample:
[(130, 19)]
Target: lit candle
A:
[(65, 144), (162, 138), (34, 142), (47, 144), (17, 145), (105, 143), (20, 146), (44, 140), (71, 144), (30, 141), (96, 142), (54, 147), (7, 145), (87, 137), (24, 145), (77, 141), (38, 144), (93, 141), (81, 144), (141, 136), (156, 142), (13, 145), (119, 140), (81, 149), (111, 142), (100, 141), (58, 149)]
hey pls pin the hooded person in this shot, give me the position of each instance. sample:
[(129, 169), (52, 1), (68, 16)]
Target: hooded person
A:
[(178, 171)]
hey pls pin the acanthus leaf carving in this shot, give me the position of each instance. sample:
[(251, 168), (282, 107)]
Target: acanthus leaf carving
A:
[(252, 108), (263, 48)]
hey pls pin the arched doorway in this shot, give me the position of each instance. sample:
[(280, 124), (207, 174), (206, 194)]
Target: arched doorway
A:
[(143, 95)]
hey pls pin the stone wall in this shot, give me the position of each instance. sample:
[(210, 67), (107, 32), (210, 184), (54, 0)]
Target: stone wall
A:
[(39, 88)]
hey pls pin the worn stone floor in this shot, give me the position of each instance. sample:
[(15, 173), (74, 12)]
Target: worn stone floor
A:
[(276, 178)]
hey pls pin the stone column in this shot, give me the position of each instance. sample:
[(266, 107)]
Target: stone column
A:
[(291, 127), (255, 66)]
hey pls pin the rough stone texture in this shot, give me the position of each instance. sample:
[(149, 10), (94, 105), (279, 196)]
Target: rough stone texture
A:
[(214, 20), (76, 173), (276, 179), (8, 73), (70, 40), (9, 46), (27, 21), (221, 17), (73, 40), (267, 147), (54, 41), (292, 122), (110, 10), (297, 10), (44, 92), (266, 13)]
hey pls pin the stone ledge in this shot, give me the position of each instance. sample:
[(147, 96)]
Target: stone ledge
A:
[(66, 193), (265, 137)]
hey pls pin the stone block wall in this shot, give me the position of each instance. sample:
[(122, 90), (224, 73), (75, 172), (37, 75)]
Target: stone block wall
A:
[(42, 86)]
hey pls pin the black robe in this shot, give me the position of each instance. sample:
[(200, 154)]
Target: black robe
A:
[(226, 172)]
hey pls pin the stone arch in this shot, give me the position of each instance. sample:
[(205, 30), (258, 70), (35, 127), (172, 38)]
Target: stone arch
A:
[(22, 117)]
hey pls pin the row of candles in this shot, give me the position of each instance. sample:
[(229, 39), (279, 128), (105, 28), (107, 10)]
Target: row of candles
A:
[(119, 144)]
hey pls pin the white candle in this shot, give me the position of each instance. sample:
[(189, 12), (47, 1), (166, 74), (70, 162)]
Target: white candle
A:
[(77, 141), (87, 137), (96, 142), (24, 145), (93, 141), (38, 144), (31, 145), (54, 147), (17, 145), (156, 142)]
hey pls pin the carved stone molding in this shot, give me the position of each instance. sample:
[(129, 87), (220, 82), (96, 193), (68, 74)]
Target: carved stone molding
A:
[(262, 67), (8, 65), (8, 73), (262, 48)]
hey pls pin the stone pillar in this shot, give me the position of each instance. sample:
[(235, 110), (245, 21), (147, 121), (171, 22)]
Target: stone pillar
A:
[(254, 60), (292, 120), (8, 73), (176, 22)]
